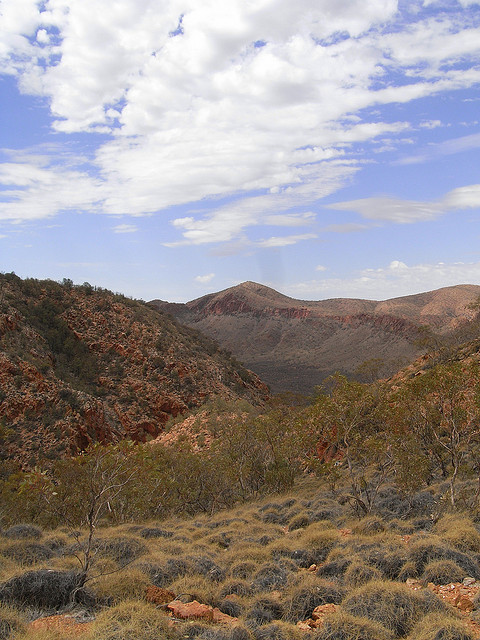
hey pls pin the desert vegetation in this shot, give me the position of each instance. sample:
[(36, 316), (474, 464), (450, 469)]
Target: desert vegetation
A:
[(269, 566), (353, 514)]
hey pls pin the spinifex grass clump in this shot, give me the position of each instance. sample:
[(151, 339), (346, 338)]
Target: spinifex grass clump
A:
[(442, 572), (432, 548), (441, 627), (343, 626), (391, 604), (44, 589), (301, 599)]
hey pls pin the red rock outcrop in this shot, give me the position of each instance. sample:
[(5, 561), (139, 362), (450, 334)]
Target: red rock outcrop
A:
[(79, 366), (295, 344)]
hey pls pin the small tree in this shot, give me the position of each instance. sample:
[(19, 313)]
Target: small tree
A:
[(80, 491), (348, 423)]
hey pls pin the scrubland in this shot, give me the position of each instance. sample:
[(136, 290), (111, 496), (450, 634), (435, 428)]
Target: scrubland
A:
[(267, 563)]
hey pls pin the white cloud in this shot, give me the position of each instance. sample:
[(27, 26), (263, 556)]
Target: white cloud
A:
[(396, 279), (392, 209), (202, 111), (446, 148), (320, 267), (125, 228), (284, 241), (407, 211), (205, 279), (38, 189)]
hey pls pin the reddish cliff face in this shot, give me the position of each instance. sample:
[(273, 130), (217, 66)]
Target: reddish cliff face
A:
[(80, 366), (295, 344)]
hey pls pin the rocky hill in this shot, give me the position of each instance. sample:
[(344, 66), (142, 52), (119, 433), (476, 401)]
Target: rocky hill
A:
[(294, 344), (81, 365)]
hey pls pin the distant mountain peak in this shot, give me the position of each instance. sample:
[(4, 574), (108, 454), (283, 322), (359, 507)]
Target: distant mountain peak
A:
[(294, 344)]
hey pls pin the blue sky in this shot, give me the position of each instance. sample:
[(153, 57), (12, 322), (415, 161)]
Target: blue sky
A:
[(170, 148)]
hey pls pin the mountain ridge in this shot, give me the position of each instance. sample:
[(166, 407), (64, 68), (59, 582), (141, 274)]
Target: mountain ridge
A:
[(80, 365), (294, 344)]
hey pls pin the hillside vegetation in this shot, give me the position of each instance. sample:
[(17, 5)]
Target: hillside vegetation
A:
[(351, 516), (80, 365)]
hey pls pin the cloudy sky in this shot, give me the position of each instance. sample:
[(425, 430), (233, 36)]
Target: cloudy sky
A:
[(169, 148)]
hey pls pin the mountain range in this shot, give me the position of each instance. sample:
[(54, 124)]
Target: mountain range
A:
[(294, 345)]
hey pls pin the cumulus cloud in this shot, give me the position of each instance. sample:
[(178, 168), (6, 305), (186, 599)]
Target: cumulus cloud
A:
[(261, 101), (394, 280)]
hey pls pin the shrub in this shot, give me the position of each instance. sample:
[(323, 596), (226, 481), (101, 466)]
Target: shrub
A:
[(393, 605), (122, 550), (155, 532), (424, 551), (237, 587), (442, 572), (342, 626), (359, 573), (11, 622), (310, 593), (130, 620), (28, 553), (23, 531), (44, 589), (119, 586), (440, 627), (270, 576)]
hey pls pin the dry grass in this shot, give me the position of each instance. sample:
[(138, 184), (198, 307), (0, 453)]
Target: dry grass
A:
[(129, 584), (256, 570), (459, 532), (435, 626), (343, 626), (130, 620), (12, 622)]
